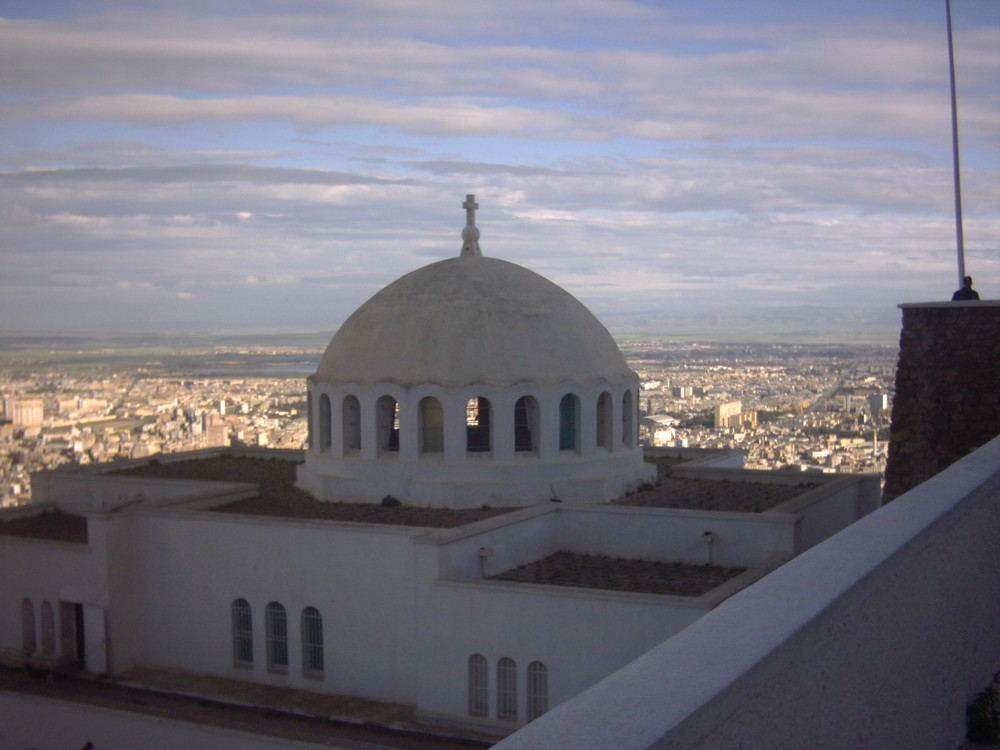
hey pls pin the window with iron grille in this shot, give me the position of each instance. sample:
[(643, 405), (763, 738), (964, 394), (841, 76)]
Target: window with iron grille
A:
[(242, 634), (538, 690), (387, 424), (605, 435), (48, 628), (479, 697), (569, 423), (431, 420), (478, 416), (324, 422), (312, 642), (628, 420), (28, 641), (276, 637), (526, 413), (506, 690), (351, 424)]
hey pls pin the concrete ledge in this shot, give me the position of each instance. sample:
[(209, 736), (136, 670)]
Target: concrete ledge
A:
[(949, 303), (875, 638)]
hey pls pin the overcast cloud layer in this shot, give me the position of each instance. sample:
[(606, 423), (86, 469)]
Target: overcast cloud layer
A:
[(272, 164)]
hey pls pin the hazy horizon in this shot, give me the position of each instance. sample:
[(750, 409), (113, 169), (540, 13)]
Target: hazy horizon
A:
[(752, 326)]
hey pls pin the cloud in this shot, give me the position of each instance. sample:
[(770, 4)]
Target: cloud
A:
[(442, 117), (281, 162), (878, 80), (15, 214), (246, 173)]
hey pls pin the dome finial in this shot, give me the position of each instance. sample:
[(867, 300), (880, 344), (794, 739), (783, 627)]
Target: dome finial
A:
[(470, 234)]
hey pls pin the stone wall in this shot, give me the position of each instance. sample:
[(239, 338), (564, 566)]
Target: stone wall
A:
[(947, 400)]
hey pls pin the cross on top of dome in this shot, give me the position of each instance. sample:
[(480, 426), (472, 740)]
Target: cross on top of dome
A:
[(470, 233)]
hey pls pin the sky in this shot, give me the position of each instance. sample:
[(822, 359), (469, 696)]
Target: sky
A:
[(241, 164)]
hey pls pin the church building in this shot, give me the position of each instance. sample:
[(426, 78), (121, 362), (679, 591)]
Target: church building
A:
[(470, 381), (474, 532)]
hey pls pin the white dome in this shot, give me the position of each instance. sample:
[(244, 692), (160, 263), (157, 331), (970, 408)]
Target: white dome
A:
[(472, 319)]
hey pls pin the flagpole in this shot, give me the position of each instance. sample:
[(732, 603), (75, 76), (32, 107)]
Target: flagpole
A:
[(954, 149)]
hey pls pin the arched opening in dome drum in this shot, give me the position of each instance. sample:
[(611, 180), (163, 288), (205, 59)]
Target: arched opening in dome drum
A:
[(569, 422), (310, 427), (431, 417), (628, 420), (387, 424), (604, 431), (351, 423), (477, 425), (324, 422), (526, 425)]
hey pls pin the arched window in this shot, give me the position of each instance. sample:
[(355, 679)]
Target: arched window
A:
[(569, 418), (479, 697), (387, 424), (478, 414), (526, 425), (48, 628), (309, 422), (324, 422), (506, 690), (276, 637), (351, 422), (242, 634), (628, 420), (312, 642), (538, 690), (71, 645), (605, 435), (431, 417), (28, 641)]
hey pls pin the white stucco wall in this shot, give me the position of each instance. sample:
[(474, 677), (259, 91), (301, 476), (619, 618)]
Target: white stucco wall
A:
[(494, 545), (392, 631), (740, 539), (403, 608), (45, 570), (455, 478), (91, 491), (189, 568), (833, 505), (579, 635), (876, 637)]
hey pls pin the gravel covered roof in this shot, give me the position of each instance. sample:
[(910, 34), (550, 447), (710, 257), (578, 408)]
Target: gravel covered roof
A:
[(614, 574), (710, 494), (279, 498), (51, 524)]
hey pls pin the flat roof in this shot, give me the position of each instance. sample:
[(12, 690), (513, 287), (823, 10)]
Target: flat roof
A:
[(615, 574), (50, 524), (715, 494), (280, 498)]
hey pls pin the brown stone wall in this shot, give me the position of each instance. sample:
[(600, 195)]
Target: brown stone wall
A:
[(947, 400)]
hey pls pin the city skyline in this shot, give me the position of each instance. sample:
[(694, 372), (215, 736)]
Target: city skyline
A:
[(253, 165)]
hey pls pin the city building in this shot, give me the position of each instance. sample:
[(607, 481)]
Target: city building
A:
[(470, 381), (730, 415), (727, 414), (878, 404), (25, 412)]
